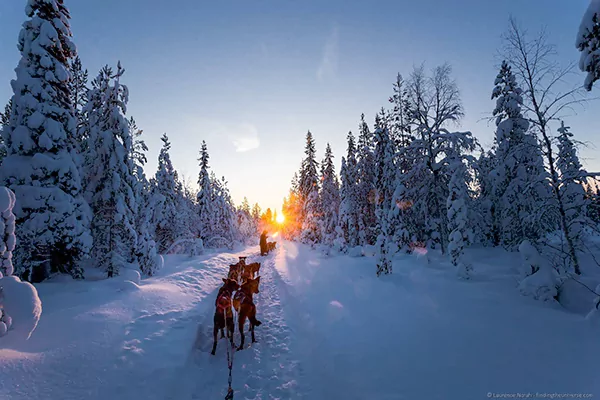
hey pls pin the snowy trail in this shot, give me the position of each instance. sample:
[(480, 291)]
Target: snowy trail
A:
[(263, 370)]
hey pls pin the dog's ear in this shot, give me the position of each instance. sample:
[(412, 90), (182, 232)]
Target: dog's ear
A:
[(257, 280), (224, 280)]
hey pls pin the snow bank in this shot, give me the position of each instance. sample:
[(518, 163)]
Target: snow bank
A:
[(21, 306), (542, 285)]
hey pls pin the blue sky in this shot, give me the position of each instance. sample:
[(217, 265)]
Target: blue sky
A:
[(251, 78)]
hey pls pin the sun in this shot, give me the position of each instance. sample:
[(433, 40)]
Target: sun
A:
[(280, 218)]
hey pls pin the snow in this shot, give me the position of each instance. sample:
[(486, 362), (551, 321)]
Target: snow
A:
[(331, 329), (21, 303)]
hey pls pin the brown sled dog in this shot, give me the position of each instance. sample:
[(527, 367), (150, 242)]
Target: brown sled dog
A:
[(223, 314), (235, 272), (250, 271), (271, 246), (245, 307)]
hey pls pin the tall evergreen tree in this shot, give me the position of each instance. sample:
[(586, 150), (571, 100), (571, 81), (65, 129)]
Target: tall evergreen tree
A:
[(167, 185), (309, 179), (111, 183), (205, 195), (329, 199), (458, 218), (385, 181), (518, 168), (365, 189), (52, 218), (348, 201), (572, 178)]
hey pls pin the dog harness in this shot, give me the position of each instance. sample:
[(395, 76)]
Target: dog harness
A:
[(240, 296), (224, 301)]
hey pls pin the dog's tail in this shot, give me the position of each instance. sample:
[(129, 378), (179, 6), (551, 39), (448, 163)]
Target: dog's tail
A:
[(254, 321)]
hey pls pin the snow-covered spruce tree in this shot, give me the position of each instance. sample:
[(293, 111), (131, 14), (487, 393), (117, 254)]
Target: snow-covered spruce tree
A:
[(545, 97), (329, 199), (517, 177), (110, 169), (385, 181), (458, 218), (309, 194), (572, 178), (205, 196), (588, 43), (348, 202), (485, 202), (365, 189), (435, 104), (51, 216), (222, 220), (400, 116), (311, 232), (147, 201), (167, 183), (309, 178)]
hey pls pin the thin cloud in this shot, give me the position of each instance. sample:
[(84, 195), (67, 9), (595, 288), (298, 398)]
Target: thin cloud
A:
[(244, 137), (329, 62)]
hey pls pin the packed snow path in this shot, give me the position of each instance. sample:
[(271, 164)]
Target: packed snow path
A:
[(331, 329)]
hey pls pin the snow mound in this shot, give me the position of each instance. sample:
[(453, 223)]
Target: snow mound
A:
[(356, 251), (464, 270), (21, 304), (542, 285)]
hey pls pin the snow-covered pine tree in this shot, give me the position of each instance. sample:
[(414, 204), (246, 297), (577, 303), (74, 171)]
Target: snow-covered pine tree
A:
[(167, 182), (400, 116), (110, 169), (365, 189), (348, 192), (385, 181), (308, 188), (309, 179), (518, 176), (329, 200), (572, 178), (205, 196), (588, 43), (148, 200), (51, 216), (311, 233), (459, 227), (485, 202)]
